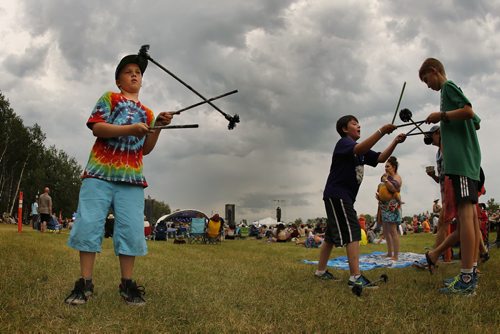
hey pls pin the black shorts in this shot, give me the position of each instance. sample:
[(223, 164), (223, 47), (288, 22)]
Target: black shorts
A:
[(465, 189), (342, 227), (45, 217)]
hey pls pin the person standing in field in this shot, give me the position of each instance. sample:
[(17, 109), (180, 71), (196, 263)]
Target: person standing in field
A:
[(342, 185), (35, 222), (113, 179), (45, 209), (390, 206), (461, 163)]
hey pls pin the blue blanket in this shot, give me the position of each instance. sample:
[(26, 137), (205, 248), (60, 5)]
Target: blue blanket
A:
[(375, 260)]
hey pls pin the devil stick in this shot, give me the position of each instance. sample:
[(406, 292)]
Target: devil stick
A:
[(405, 115), (415, 134), (408, 124), (410, 133), (206, 101), (397, 107), (143, 52), (190, 126)]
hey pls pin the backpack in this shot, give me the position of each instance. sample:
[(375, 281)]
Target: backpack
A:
[(160, 231)]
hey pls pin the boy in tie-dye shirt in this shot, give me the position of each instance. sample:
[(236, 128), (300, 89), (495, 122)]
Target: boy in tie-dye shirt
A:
[(113, 180), (118, 159)]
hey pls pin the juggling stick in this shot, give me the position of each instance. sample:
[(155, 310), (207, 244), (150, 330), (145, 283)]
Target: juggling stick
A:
[(408, 124), (166, 127), (143, 52), (399, 101), (190, 126), (409, 133), (207, 101), (405, 115)]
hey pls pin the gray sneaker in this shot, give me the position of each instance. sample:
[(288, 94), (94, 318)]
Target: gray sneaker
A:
[(459, 287), (81, 293)]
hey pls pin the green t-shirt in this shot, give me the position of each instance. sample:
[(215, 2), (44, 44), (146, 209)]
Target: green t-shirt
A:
[(461, 152)]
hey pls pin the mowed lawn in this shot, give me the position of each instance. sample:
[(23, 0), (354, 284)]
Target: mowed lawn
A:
[(247, 286)]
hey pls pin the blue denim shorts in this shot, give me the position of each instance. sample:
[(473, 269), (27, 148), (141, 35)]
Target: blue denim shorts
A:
[(96, 198)]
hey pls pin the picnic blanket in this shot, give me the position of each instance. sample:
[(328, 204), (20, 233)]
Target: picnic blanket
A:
[(376, 260)]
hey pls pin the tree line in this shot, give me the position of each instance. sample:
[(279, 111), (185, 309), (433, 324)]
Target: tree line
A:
[(28, 165)]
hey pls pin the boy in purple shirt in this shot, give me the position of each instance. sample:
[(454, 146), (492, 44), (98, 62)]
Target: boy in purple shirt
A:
[(342, 185)]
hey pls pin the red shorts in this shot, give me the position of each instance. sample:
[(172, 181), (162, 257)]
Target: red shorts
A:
[(449, 201)]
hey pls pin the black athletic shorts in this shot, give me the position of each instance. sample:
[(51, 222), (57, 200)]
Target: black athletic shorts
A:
[(342, 227), (465, 189), (45, 217)]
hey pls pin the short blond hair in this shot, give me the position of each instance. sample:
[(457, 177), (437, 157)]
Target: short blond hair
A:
[(431, 64)]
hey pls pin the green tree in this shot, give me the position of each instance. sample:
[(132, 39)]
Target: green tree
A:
[(369, 219), (61, 174), (14, 145), (492, 206), (27, 165), (298, 221), (159, 209)]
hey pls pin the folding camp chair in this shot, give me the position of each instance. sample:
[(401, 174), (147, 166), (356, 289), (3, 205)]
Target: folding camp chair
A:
[(214, 232), (197, 230)]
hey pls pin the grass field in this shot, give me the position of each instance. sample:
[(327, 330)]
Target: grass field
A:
[(247, 286)]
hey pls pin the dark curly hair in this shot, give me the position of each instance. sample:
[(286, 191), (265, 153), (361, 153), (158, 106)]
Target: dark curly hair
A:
[(394, 162)]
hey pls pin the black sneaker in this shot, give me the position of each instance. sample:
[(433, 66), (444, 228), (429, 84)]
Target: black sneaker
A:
[(80, 294), (327, 276), (132, 293), (363, 282)]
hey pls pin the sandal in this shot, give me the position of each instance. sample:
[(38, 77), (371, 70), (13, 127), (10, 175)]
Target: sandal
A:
[(431, 266), (485, 256)]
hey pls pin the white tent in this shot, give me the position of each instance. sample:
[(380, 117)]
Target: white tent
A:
[(266, 221), (182, 214)]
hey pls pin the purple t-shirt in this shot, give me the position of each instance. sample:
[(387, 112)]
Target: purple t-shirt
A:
[(346, 171)]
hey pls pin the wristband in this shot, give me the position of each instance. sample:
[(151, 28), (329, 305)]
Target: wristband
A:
[(380, 132), (444, 117)]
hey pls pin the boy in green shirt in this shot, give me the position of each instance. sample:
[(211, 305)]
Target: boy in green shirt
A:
[(461, 162)]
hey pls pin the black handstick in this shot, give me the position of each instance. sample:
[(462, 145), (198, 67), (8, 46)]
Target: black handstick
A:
[(166, 127), (399, 101)]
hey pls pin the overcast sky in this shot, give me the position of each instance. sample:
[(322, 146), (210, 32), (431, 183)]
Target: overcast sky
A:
[(298, 66)]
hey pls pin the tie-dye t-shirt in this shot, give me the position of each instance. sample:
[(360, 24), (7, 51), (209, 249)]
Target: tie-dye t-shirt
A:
[(118, 159)]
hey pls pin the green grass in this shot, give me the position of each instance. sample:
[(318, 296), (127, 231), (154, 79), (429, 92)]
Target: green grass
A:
[(245, 286)]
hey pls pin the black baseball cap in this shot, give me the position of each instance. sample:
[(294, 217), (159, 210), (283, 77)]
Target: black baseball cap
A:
[(428, 134), (131, 59), (434, 129)]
